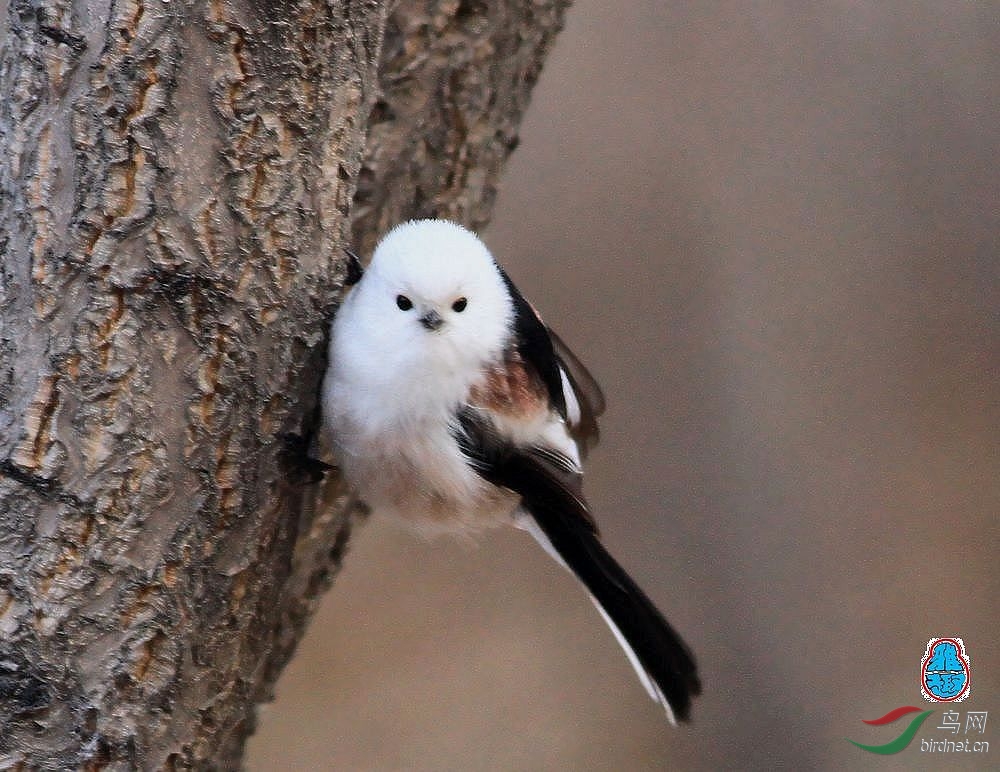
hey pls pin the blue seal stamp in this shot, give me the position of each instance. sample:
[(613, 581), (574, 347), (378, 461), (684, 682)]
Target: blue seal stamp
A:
[(944, 671)]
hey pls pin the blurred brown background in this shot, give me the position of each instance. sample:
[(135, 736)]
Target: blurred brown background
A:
[(772, 232)]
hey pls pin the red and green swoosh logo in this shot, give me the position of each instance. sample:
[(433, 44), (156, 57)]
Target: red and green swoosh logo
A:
[(904, 739)]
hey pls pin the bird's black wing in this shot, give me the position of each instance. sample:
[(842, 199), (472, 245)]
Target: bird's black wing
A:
[(561, 513), (588, 394), (535, 346), (556, 366)]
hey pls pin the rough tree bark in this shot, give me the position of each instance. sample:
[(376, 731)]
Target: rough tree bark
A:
[(176, 181)]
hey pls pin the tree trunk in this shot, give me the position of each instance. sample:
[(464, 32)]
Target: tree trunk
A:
[(176, 181)]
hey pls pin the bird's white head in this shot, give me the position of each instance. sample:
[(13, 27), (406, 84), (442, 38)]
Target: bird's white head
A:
[(432, 302)]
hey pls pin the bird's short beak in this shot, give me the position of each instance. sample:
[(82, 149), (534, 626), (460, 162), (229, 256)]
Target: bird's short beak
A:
[(431, 320)]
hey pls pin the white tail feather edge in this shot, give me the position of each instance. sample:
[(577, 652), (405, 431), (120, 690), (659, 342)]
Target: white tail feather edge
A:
[(650, 685), (527, 523)]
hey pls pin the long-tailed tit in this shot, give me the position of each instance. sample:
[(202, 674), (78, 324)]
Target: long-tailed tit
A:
[(450, 403)]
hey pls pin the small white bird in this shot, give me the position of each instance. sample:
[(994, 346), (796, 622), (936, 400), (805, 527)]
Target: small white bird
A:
[(451, 404)]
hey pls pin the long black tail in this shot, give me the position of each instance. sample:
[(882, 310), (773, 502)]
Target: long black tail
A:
[(559, 519), (662, 660)]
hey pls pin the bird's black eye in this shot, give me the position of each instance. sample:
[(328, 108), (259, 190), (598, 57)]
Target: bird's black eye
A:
[(404, 303), (459, 305)]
